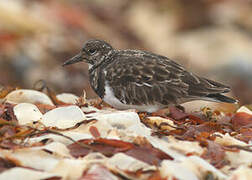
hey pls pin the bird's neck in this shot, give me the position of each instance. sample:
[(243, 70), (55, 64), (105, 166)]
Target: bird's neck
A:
[(97, 81), (97, 73), (103, 62)]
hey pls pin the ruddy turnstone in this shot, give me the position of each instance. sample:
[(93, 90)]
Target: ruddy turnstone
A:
[(142, 80)]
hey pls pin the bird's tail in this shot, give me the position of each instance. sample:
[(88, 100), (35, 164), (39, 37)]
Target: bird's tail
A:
[(221, 98)]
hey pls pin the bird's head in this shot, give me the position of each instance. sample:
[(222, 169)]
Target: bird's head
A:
[(93, 53)]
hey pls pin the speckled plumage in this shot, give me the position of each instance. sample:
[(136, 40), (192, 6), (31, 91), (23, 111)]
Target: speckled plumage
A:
[(143, 80)]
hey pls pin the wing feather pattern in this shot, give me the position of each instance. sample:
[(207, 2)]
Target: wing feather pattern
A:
[(140, 77)]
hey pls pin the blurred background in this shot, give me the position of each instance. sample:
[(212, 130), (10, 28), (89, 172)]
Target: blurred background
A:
[(210, 37)]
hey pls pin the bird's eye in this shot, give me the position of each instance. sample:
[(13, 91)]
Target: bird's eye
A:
[(92, 51)]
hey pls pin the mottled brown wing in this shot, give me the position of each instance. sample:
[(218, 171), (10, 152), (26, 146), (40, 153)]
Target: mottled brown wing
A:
[(203, 87), (139, 77), (198, 87)]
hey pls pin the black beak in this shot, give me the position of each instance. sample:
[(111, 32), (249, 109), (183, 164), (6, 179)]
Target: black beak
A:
[(74, 59)]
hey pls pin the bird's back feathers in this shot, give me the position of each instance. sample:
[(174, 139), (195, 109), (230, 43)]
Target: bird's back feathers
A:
[(141, 77)]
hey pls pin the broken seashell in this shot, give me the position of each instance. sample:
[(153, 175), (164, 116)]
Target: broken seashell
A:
[(122, 120), (244, 109), (170, 169), (63, 117), (28, 96), (67, 98), (27, 113), (128, 163), (28, 174), (163, 123)]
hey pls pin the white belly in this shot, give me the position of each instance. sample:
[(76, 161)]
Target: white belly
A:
[(110, 98)]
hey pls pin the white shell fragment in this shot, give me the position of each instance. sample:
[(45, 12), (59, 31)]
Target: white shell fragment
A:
[(128, 163), (176, 170), (33, 157), (201, 167), (158, 120), (184, 147), (28, 96), (70, 168), (67, 98), (239, 158), (122, 120), (54, 137), (243, 173), (163, 145), (244, 109), (63, 117), (19, 173), (56, 148), (227, 140), (27, 113)]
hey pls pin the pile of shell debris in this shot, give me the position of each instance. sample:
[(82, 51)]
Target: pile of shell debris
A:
[(67, 137)]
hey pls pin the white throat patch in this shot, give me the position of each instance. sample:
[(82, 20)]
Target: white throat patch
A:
[(89, 66)]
